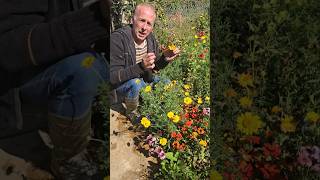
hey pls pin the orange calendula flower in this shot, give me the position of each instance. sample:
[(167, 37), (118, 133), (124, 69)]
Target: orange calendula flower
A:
[(230, 93), (276, 109), (245, 80), (87, 62), (236, 55), (200, 130)]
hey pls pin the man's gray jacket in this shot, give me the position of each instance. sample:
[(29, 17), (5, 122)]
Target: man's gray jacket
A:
[(123, 66)]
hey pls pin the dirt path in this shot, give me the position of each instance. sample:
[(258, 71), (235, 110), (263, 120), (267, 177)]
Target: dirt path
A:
[(126, 162)]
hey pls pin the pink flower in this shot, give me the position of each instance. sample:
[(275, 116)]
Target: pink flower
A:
[(303, 158), (206, 111)]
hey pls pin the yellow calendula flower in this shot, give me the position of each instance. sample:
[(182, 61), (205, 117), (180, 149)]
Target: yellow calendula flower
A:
[(245, 80), (276, 109), (163, 141), (187, 100), (200, 101), (207, 98), (288, 124), (187, 94), (186, 86), (230, 93), (195, 134), (312, 117), (170, 114), (87, 62), (147, 89), (215, 175), (245, 102), (176, 118), (203, 143), (145, 122), (172, 47), (138, 81), (249, 123)]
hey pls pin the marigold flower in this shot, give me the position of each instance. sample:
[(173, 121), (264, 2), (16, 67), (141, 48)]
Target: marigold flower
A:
[(170, 114), (200, 101), (147, 89), (215, 175), (87, 61), (194, 135), (187, 100), (230, 93), (176, 118), (276, 109), (236, 55), (203, 143), (288, 124), (201, 130), (145, 122), (245, 80), (173, 134), (249, 123), (245, 102), (312, 117), (163, 141)]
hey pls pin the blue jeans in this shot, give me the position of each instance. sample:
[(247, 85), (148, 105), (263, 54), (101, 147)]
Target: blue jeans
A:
[(68, 87), (130, 89)]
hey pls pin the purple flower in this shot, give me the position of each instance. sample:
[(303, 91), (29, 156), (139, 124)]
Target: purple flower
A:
[(315, 153), (151, 140), (160, 153)]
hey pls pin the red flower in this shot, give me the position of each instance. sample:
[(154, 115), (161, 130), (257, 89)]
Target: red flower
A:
[(246, 168), (194, 110), (269, 171), (201, 56), (183, 129), (253, 139), (193, 115), (186, 115), (174, 134), (271, 149), (179, 137), (201, 33), (188, 123)]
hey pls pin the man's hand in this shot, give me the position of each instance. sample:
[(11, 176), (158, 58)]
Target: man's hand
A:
[(148, 61), (170, 55)]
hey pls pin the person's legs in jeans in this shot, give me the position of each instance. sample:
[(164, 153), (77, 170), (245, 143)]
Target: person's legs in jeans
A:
[(68, 89)]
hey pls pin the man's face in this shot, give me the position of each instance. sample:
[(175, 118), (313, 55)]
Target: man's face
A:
[(143, 22)]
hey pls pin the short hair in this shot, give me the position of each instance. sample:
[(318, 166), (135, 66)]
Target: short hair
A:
[(145, 4)]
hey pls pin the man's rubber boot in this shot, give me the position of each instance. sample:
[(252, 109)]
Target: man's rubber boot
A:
[(132, 109), (70, 137)]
